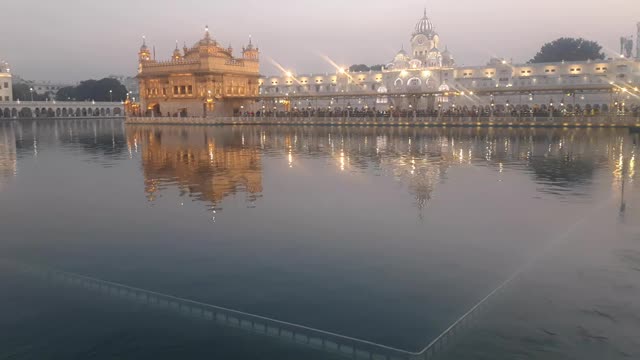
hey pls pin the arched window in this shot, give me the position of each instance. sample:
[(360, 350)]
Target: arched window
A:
[(414, 82), (382, 99)]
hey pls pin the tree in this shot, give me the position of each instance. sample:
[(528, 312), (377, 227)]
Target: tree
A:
[(365, 68), (66, 93), (22, 92), (358, 68), (106, 89), (568, 49)]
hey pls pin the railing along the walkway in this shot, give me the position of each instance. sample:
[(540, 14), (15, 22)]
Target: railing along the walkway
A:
[(593, 121), (329, 342)]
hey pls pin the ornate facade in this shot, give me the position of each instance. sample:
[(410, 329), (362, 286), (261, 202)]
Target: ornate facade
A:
[(203, 80), (427, 68), (425, 50)]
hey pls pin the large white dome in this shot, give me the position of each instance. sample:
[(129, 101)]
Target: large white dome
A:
[(424, 26)]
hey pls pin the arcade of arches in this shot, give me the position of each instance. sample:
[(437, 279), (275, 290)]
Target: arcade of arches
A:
[(59, 110)]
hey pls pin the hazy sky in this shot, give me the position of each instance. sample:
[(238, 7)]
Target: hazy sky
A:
[(71, 40)]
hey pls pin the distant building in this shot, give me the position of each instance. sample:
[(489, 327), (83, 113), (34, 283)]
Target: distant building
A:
[(427, 68), (638, 41), (42, 87), (6, 84), (130, 83), (203, 80)]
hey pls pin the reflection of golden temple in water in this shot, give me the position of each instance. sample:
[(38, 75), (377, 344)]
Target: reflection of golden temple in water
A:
[(212, 163), (8, 159), (207, 167)]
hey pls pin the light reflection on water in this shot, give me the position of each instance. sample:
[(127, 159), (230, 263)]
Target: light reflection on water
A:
[(561, 162), (334, 226)]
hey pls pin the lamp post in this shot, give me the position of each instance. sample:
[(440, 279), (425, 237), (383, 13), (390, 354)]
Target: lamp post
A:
[(111, 95), (550, 109), (31, 91)]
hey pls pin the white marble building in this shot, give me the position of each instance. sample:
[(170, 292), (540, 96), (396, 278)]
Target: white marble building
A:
[(427, 68)]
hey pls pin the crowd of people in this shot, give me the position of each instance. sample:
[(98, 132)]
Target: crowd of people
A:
[(517, 111)]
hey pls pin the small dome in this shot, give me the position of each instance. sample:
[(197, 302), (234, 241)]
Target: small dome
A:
[(250, 46), (144, 44), (207, 40), (401, 60)]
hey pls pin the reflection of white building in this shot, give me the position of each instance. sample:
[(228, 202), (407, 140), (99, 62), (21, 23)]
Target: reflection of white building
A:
[(8, 158), (427, 67), (6, 86)]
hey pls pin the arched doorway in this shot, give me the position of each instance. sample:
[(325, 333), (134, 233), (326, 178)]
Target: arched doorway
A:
[(27, 113), (153, 109)]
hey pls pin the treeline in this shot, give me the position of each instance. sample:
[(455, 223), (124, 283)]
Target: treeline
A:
[(569, 49), (23, 92), (365, 68), (107, 89)]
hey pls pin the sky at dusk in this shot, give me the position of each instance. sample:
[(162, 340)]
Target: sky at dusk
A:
[(72, 40)]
